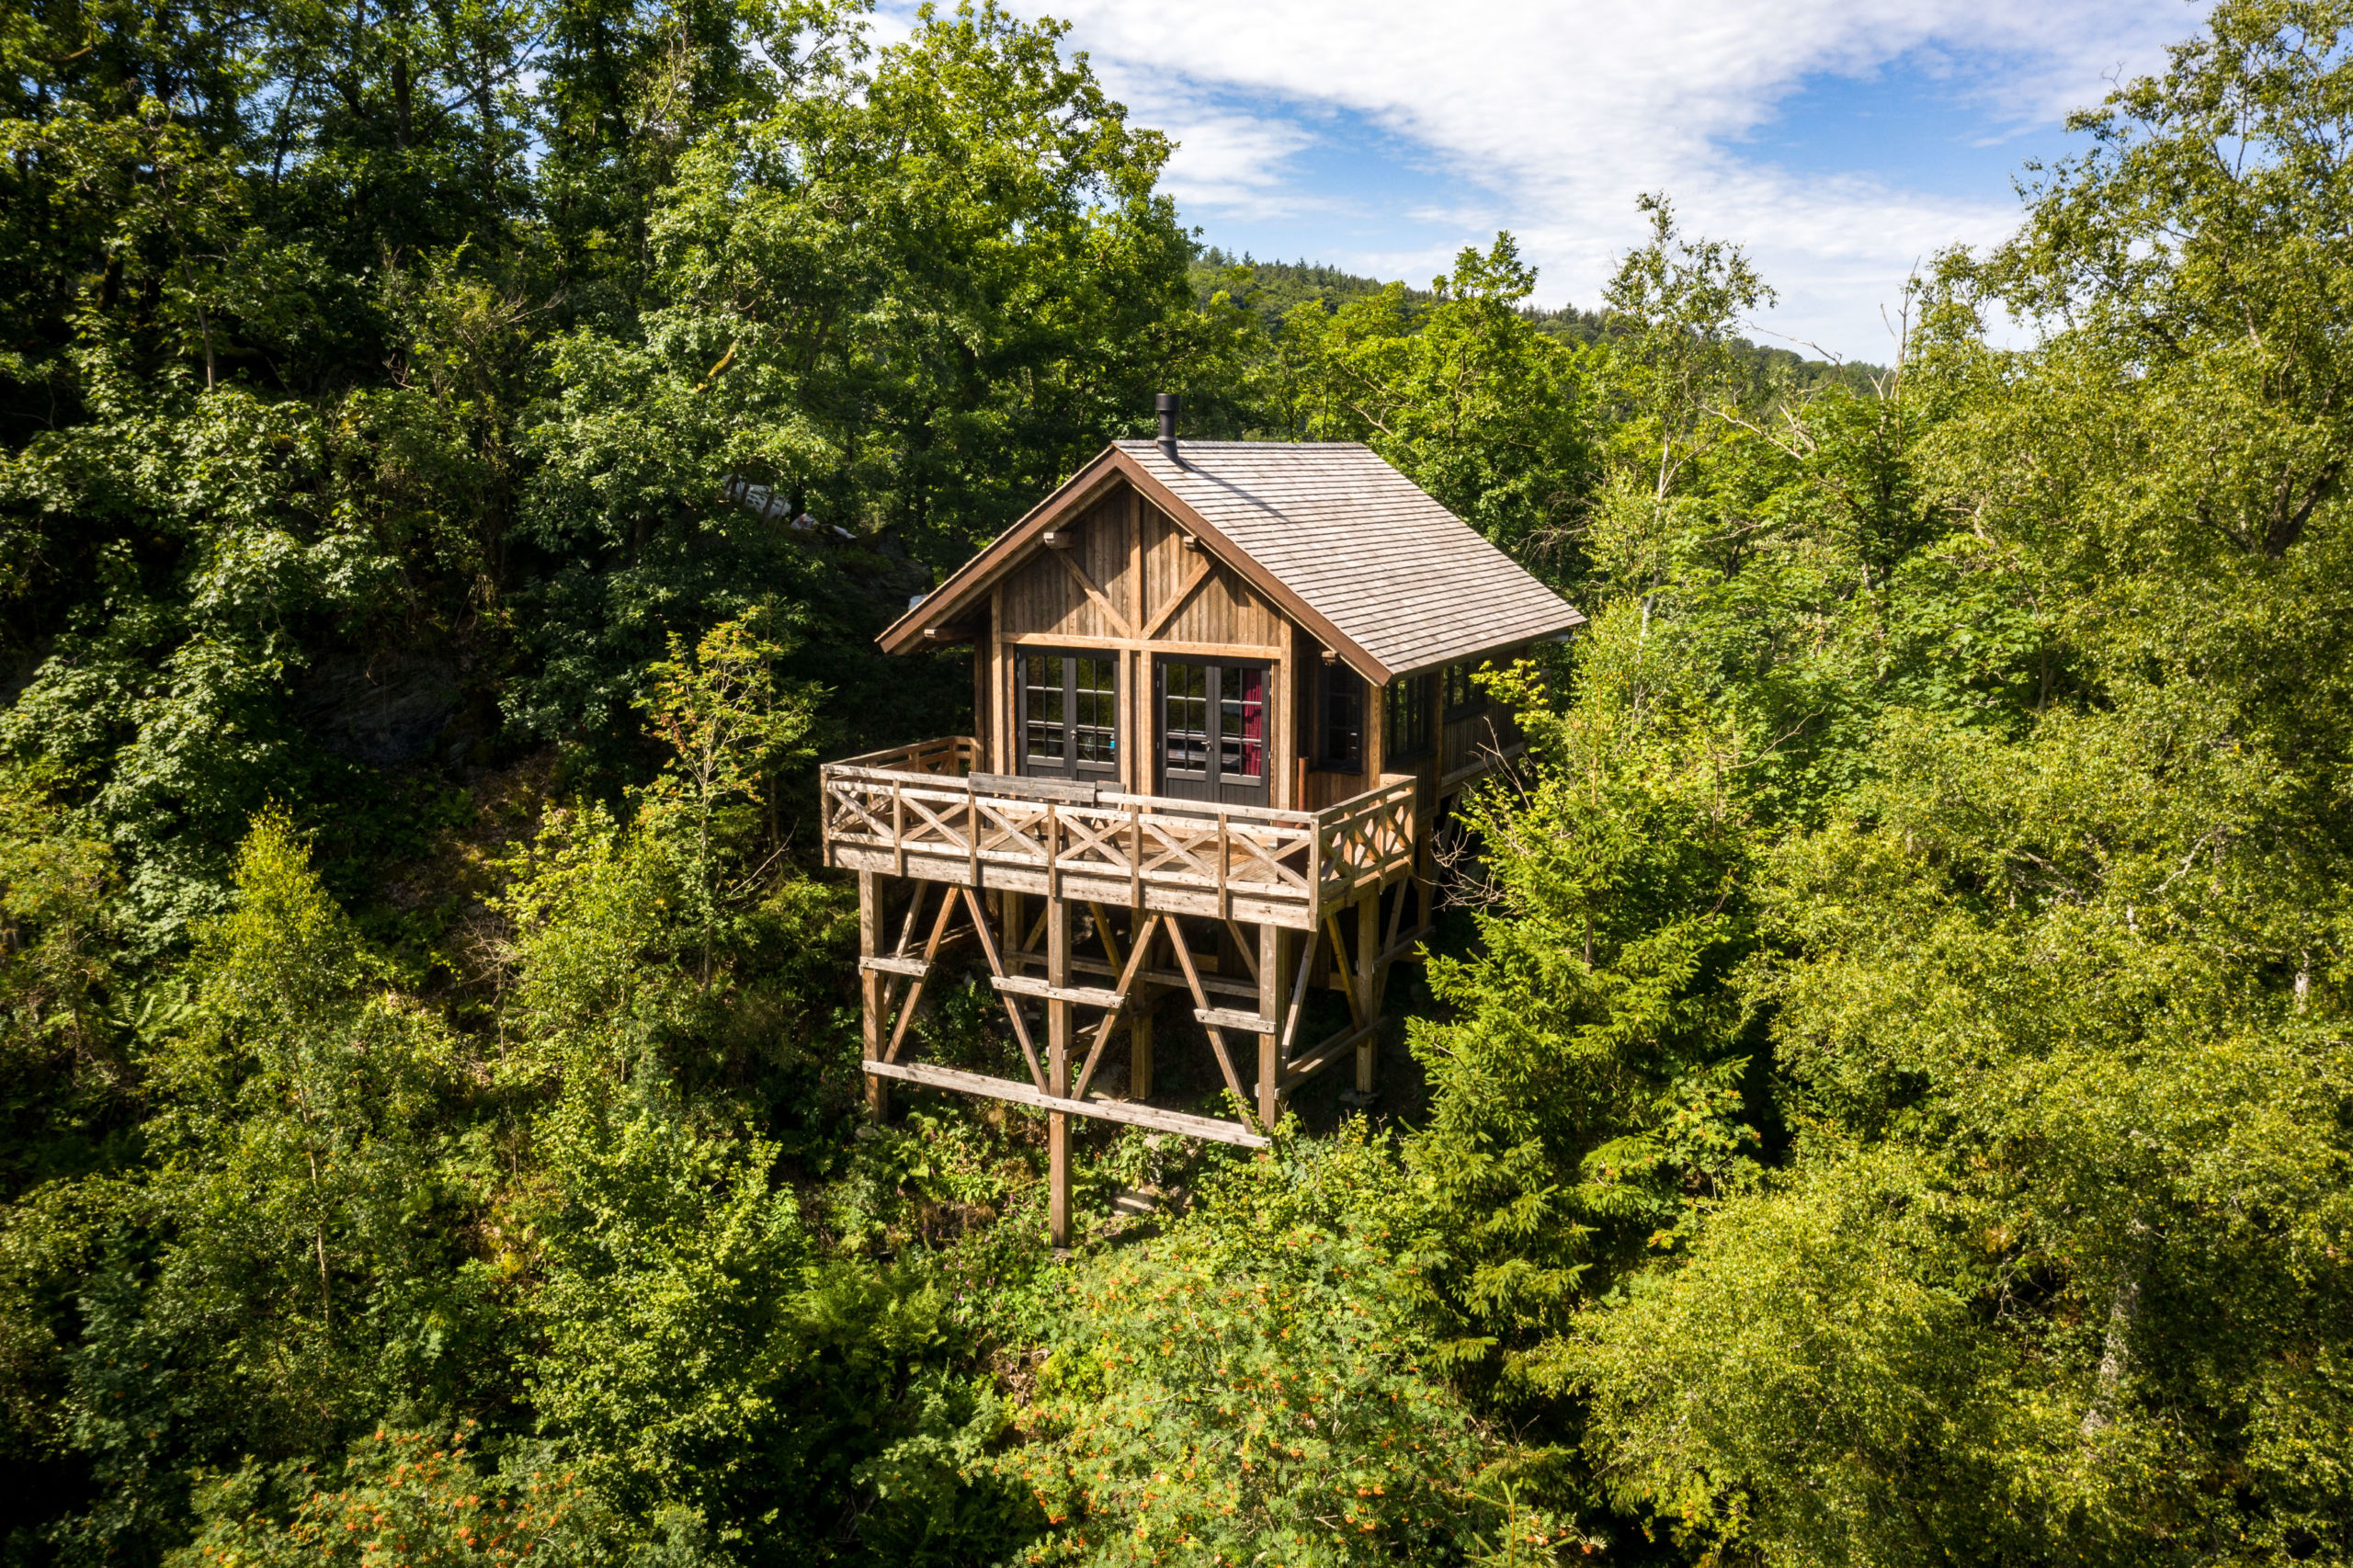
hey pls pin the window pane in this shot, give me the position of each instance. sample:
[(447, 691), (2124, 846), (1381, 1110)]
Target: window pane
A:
[(1095, 686), (1041, 707), (1343, 720), (1242, 724), (1184, 719), (1405, 720)]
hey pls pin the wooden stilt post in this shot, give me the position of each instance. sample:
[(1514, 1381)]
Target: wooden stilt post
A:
[(1274, 995), (872, 985), (1059, 1019), (1368, 1001), (1139, 1009)]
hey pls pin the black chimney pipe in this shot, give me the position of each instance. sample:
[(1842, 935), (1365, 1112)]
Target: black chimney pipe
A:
[(1166, 404)]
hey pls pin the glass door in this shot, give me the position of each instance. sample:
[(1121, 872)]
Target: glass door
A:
[(1214, 730), (1070, 715)]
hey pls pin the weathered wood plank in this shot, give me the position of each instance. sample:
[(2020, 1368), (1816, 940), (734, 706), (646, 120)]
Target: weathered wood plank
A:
[(1225, 986), (888, 965), (1334, 1049), (1021, 786), (996, 968), (915, 991), (1233, 1018), (1119, 994), (1201, 1005), (1083, 996), (1289, 908), (1128, 1111)]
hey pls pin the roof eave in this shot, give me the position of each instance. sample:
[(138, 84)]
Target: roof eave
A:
[(952, 598), (1573, 619)]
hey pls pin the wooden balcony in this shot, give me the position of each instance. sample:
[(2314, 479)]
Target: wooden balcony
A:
[(921, 812)]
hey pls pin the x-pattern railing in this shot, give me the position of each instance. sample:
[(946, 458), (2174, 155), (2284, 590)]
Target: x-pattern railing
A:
[(914, 800)]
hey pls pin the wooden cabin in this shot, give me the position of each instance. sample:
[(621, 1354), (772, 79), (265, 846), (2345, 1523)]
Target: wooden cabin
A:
[(1222, 695)]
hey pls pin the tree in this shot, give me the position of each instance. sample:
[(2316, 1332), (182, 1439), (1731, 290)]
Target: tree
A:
[(292, 1259), (2056, 999), (1253, 1383), (1462, 393)]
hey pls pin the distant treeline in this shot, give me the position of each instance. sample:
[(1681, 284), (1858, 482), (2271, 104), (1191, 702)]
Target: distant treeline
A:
[(1274, 287)]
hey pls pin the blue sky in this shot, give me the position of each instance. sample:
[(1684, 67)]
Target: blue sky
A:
[(1840, 140)]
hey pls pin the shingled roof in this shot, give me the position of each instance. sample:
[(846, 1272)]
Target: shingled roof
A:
[(1404, 578), (1402, 581)]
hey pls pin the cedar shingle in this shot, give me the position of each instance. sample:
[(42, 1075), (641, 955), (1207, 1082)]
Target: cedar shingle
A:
[(1410, 582)]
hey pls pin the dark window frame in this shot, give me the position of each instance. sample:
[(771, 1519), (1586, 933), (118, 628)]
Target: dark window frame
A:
[(1071, 765), (1212, 780), (1406, 732), (1462, 696), (1339, 711)]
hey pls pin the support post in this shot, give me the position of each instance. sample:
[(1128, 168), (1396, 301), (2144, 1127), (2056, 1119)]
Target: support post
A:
[(1059, 1017), (872, 985), (1367, 1007), (1140, 1010), (1273, 992), (1140, 1041)]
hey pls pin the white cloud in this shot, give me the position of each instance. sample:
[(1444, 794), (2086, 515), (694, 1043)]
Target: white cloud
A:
[(1550, 119)]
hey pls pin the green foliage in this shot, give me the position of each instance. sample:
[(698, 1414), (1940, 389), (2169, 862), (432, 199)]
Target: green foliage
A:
[(664, 1313), (413, 1497), (2055, 978), (1462, 394), (1887, 1101), (289, 1260), (1252, 1383), (1586, 1086), (60, 1053)]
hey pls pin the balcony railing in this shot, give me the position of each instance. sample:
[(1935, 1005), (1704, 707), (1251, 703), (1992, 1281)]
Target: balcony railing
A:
[(921, 811)]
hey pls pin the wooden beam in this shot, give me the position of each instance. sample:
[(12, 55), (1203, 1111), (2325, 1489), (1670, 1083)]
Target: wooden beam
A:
[(907, 926), (1288, 907), (1245, 947), (996, 968), (1298, 997), (1140, 1050), (1077, 996), (887, 965), (1175, 601), (1103, 934), (1118, 1001), (1201, 1005), (1131, 518), (1156, 976), (1404, 948), (1186, 1126), (872, 998), (1059, 1019), (1027, 787), (1257, 653), (1232, 1019), (1366, 1003), (1346, 981), (915, 991), (1274, 951), (1002, 751), (1118, 622), (1331, 1050)]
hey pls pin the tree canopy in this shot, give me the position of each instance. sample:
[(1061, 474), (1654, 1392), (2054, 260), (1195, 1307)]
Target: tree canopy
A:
[(1879, 1092)]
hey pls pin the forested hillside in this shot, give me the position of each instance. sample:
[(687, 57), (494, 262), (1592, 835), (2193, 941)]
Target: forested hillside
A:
[(1274, 289), (1882, 1094)]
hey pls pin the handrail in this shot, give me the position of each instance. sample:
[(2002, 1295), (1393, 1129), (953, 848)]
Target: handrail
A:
[(1258, 852)]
